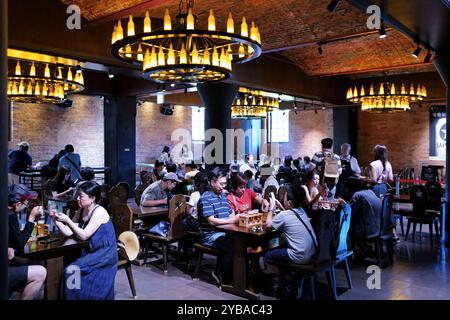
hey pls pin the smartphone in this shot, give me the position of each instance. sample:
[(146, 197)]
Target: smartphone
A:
[(272, 196)]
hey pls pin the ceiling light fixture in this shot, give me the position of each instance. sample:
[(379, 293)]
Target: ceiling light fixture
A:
[(32, 82), (386, 97), (257, 106), (382, 31), (427, 57), (332, 5), (417, 52), (110, 74), (184, 53)]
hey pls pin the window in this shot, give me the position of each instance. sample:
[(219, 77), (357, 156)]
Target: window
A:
[(278, 126), (198, 124)]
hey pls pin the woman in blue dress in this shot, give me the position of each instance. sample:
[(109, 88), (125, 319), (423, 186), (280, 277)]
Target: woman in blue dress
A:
[(97, 265)]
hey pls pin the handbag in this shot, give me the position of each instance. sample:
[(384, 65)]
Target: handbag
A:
[(161, 229)]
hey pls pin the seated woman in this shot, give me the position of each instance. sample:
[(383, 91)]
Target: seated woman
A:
[(97, 265), (311, 191), (61, 185), (241, 199), (190, 222)]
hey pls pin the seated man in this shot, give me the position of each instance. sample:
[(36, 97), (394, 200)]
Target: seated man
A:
[(294, 223), (25, 278), (191, 171), (156, 193), (366, 213), (213, 210), (18, 198)]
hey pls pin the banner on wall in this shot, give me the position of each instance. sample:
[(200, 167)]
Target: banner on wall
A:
[(438, 133)]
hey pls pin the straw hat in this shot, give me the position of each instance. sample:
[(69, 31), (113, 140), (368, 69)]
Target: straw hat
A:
[(129, 241)]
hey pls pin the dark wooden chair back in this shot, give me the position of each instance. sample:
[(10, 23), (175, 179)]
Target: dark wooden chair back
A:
[(419, 199), (118, 195), (435, 194), (177, 210), (124, 186), (268, 190), (46, 193), (122, 218), (387, 221), (138, 192), (281, 193), (146, 177)]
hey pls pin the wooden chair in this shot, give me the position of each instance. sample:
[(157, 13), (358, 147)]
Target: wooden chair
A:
[(384, 237), (138, 192), (200, 250), (420, 214), (177, 209), (122, 218), (128, 250), (146, 177), (281, 193), (268, 190), (118, 194)]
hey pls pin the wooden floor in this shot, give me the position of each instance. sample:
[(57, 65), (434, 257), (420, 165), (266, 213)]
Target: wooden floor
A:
[(420, 272)]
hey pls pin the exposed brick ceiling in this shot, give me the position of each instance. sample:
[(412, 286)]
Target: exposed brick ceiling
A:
[(285, 23)]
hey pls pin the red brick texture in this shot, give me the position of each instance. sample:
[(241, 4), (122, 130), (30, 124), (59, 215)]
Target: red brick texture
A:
[(48, 128), (406, 135)]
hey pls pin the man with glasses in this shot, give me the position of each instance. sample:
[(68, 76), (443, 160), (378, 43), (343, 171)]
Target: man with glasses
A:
[(213, 210), (156, 194)]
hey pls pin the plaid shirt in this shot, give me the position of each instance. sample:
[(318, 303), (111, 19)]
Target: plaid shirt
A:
[(317, 160)]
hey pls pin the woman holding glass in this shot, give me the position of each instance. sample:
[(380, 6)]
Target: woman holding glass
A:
[(241, 198), (97, 265)]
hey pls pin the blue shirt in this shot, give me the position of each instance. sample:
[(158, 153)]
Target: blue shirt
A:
[(74, 171), (211, 204), (18, 161)]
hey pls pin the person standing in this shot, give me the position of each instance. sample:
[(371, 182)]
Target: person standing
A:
[(18, 160), (72, 161), (350, 167)]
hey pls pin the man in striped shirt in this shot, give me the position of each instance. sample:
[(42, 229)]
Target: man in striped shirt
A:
[(317, 163), (214, 209)]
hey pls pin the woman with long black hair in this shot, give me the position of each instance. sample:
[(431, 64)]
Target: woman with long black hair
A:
[(97, 265)]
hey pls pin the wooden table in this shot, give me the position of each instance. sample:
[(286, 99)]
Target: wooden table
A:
[(53, 254), (402, 198), (143, 212), (241, 237)]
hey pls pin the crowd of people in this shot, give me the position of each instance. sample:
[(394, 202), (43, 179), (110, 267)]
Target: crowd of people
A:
[(216, 197)]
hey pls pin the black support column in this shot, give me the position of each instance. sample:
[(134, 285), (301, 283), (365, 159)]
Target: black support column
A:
[(345, 129), (217, 99), (442, 63), (3, 150), (120, 139)]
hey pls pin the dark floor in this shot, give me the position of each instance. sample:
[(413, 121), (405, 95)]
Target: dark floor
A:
[(420, 272)]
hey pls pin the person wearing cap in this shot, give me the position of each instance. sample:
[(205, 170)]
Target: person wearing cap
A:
[(268, 178), (18, 160), (72, 161), (156, 193), (18, 198)]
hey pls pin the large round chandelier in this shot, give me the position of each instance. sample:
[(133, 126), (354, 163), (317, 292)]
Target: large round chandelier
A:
[(252, 106), (386, 97), (36, 82), (182, 52)]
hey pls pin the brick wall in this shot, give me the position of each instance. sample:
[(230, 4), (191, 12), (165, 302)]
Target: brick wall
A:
[(48, 128), (306, 130), (406, 135)]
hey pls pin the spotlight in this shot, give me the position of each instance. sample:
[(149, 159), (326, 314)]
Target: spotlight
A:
[(172, 85), (427, 57), (295, 112), (332, 5), (110, 74), (164, 88), (320, 50), (78, 69), (279, 99), (382, 31), (417, 52)]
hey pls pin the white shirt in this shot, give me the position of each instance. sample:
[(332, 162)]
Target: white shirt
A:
[(193, 201), (380, 175), (271, 181)]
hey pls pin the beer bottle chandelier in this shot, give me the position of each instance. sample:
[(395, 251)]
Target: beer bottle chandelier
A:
[(37, 82), (387, 97), (252, 106), (182, 52)]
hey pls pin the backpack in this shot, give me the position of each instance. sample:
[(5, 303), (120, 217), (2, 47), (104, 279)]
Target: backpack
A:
[(330, 170)]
